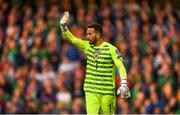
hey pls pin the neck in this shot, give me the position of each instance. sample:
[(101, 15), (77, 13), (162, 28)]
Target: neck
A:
[(99, 42)]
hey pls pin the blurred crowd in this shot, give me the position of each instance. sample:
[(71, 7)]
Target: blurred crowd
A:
[(40, 72)]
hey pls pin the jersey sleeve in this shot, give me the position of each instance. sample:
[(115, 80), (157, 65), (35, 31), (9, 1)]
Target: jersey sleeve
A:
[(118, 61), (81, 44)]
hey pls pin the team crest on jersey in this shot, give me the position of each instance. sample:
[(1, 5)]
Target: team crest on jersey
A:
[(96, 55)]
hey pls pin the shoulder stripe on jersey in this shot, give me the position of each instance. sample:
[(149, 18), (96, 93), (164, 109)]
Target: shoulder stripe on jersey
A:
[(105, 46)]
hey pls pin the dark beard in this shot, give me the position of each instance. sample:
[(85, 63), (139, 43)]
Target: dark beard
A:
[(94, 42)]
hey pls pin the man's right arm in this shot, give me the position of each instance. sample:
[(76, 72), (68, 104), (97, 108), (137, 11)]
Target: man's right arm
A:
[(82, 44)]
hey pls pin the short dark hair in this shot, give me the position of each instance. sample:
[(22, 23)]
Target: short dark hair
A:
[(97, 27)]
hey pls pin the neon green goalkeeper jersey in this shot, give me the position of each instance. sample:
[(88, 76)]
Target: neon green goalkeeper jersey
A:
[(101, 65)]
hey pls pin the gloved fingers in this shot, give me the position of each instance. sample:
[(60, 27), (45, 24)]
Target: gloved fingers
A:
[(124, 92), (64, 18), (118, 91), (125, 95)]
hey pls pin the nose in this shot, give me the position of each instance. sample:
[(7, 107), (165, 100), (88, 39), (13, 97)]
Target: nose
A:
[(87, 36)]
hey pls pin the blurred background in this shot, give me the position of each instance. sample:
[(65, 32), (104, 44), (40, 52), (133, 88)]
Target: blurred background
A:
[(40, 72)]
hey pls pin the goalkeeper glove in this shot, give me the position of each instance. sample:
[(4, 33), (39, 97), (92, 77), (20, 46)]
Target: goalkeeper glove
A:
[(64, 20), (123, 90)]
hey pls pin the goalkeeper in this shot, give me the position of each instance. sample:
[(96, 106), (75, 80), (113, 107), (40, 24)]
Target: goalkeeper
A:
[(102, 60)]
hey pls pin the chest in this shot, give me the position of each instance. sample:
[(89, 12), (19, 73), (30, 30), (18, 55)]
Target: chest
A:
[(99, 54)]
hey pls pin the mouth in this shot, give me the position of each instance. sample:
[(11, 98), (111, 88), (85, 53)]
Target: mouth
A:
[(90, 41)]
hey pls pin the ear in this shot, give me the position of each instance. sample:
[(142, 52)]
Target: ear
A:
[(98, 35)]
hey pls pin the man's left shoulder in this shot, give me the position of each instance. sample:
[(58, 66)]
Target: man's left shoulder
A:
[(110, 46)]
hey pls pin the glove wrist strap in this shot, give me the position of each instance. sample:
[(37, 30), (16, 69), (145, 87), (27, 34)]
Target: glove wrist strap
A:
[(123, 81), (64, 27)]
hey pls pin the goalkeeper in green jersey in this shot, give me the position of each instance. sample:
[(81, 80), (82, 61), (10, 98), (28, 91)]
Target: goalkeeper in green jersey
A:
[(102, 60)]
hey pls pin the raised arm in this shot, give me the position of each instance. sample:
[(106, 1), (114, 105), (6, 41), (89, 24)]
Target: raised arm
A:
[(82, 44)]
